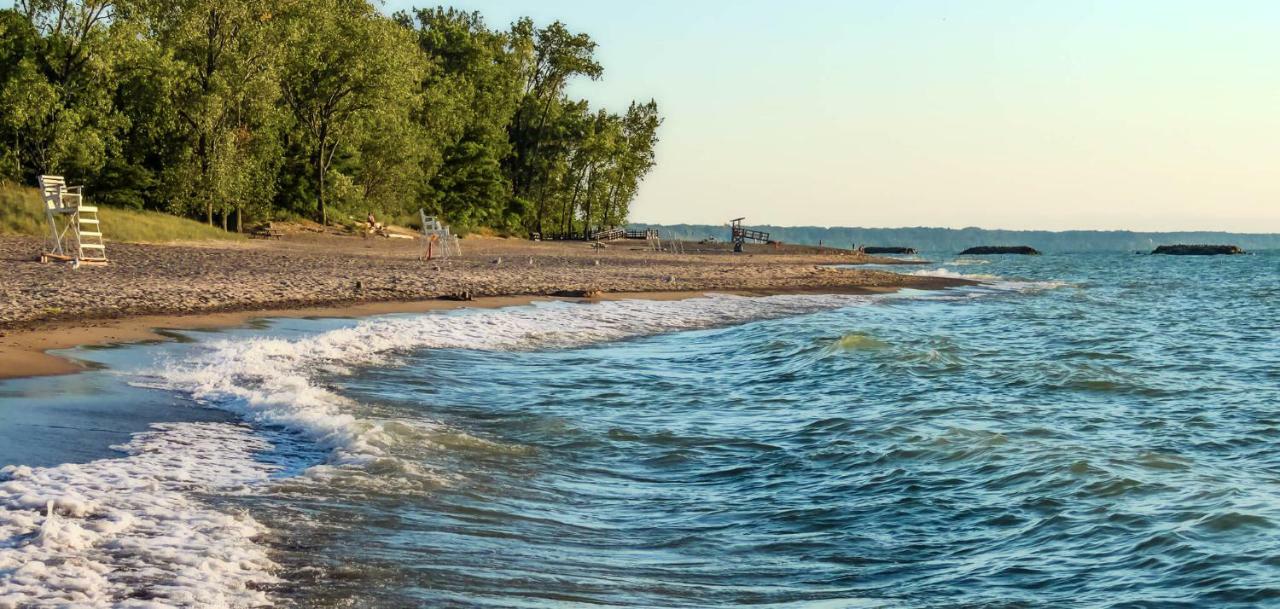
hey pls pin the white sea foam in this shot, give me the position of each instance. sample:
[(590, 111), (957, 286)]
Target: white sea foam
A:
[(277, 382), (129, 532), (943, 272), (994, 282)]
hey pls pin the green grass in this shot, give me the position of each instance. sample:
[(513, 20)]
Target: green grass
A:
[(21, 213)]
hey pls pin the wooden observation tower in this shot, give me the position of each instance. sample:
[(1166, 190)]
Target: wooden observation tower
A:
[(739, 235)]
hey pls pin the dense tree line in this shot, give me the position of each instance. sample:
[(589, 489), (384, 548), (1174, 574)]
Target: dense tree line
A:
[(235, 111)]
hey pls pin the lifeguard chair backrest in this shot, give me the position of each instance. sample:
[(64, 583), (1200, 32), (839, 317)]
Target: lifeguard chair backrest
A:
[(51, 188), (430, 222)]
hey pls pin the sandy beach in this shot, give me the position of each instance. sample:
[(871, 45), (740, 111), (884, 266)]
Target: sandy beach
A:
[(307, 274)]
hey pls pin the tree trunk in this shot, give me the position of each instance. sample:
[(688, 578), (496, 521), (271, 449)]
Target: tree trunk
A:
[(572, 203), (608, 204), (542, 206), (586, 217), (202, 148), (239, 219), (324, 217)]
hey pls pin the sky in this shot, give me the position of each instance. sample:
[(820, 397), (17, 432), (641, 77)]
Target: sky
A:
[(1019, 114)]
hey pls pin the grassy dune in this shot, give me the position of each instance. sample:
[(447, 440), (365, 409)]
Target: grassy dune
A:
[(21, 213)]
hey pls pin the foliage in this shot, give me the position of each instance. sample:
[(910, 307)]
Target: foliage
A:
[(21, 213), (234, 111)]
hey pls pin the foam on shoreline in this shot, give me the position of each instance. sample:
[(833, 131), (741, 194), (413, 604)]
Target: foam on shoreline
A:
[(128, 532), (272, 382), (132, 532), (990, 281)]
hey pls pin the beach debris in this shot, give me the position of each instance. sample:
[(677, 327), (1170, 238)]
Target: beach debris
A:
[(984, 250), (266, 230), (497, 261), (531, 261), (359, 285), (597, 262), (577, 293), (1198, 250), (671, 278), (463, 296)]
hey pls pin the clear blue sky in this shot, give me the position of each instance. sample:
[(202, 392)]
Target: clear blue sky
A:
[(1155, 115)]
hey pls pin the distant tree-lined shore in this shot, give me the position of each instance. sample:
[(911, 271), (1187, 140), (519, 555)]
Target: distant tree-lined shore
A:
[(236, 111), (928, 239)]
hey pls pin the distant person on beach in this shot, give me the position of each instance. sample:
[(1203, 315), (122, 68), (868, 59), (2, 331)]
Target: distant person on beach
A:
[(374, 228)]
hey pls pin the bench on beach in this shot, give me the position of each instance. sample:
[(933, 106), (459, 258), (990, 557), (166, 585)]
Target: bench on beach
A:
[(266, 232)]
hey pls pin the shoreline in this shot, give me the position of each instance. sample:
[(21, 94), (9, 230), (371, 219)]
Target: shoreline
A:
[(150, 288), (25, 353)]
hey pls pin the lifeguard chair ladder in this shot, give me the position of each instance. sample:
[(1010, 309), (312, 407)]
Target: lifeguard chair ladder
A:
[(75, 233)]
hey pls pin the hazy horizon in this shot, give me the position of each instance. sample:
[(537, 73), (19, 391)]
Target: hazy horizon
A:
[(1146, 116), (725, 225)]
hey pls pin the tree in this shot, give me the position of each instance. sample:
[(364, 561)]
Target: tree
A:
[(226, 57), (26, 95), (549, 58), (222, 109), (471, 95), (634, 158), (345, 64), (67, 116)]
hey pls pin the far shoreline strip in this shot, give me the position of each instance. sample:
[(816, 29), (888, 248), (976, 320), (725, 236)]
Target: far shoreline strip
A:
[(24, 352)]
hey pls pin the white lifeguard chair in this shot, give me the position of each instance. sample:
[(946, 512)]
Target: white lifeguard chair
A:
[(75, 234), (437, 240)]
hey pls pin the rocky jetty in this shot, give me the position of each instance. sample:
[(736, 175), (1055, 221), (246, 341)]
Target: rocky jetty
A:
[(888, 250), (1198, 250), (984, 250)]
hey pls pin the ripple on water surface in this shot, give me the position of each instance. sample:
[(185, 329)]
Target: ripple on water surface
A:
[(1069, 435)]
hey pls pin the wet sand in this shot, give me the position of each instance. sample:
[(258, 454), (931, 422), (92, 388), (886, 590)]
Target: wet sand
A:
[(208, 285)]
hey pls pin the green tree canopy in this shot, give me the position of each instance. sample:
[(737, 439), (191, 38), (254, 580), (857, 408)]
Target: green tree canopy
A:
[(232, 110)]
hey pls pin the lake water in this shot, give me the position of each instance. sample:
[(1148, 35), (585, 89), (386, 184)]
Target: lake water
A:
[(1082, 430)]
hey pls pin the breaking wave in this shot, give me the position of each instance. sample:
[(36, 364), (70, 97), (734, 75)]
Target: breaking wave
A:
[(995, 282), (130, 532)]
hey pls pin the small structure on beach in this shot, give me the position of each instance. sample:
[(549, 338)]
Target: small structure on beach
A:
[(986, 250), (739, 235), (651, 236), (1198, 250), (437, 239), (609, 234), (75, 233)]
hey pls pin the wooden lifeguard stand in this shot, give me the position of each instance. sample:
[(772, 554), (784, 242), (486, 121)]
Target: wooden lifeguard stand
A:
[(437, 240), (75, 233), (739, 235)]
